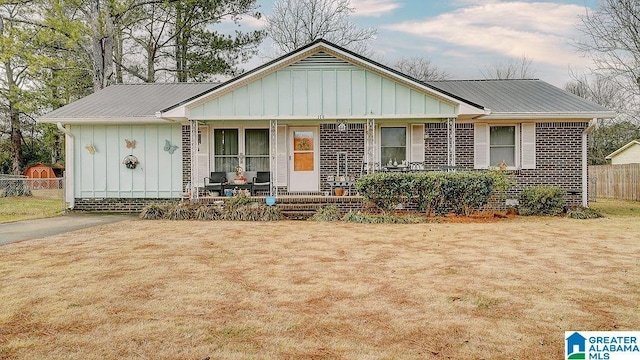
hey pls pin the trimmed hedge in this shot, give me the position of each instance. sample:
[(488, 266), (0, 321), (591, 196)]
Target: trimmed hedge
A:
[(438, 192), (541, 200)]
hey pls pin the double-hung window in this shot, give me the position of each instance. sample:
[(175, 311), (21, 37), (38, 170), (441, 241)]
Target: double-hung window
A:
[(393, 144), (502, 146)]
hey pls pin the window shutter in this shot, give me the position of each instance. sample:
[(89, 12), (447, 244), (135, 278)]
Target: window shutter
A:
[(203, 154), (281, 156), (417, 143), (528, 146), (480, 146)]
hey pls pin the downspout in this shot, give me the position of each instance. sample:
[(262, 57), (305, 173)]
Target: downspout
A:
[(585, 172), (68, 185)]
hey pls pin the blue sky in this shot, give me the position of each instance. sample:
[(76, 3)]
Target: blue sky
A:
[(463, 37)]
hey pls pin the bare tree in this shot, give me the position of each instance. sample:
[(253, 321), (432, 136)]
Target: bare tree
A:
[(600, 90), (611, 38), (610, 134), (521, 68), (421, 68), (294, 23)]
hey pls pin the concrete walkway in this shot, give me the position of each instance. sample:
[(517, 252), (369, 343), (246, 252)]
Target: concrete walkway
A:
[(40, 228)]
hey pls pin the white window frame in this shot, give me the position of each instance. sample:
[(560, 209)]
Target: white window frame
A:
[(517, 145), (407, 134), (525, 141), (241, 142)]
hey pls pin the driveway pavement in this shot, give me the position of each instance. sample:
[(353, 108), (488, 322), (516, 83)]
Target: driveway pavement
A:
[(40, 228)]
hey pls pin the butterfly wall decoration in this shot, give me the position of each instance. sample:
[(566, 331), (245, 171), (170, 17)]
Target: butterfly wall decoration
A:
[(168, 147), (131, 144), (91, 149)]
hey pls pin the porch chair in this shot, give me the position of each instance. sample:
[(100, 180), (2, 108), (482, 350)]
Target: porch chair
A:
[(261, 182), (215, 181)]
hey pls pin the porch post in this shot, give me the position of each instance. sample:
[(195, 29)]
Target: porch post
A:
[(451, 141), (193, 138), (273, 157), (370, 146)]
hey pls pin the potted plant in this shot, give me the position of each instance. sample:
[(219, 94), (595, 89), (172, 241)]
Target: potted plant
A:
[(240, 179)]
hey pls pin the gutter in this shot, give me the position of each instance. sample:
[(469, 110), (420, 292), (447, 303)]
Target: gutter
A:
[(68, 181), (64, 130), (585, 173)]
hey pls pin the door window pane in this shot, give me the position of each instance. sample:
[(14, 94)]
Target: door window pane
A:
[(303, 141), (393, 144), (303, 158), (303, 161), (502, 145)]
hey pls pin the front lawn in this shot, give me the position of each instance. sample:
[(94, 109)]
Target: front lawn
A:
[(307, 290)]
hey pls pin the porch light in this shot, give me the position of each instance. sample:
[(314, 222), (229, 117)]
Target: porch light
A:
[(342, 125)]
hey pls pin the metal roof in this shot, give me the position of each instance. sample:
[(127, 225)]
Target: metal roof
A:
[(519, 96), (535, 97), (129, 100)]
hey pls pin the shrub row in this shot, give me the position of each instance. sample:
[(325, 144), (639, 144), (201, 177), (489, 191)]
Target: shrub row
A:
[(438, 192), (234, 209)]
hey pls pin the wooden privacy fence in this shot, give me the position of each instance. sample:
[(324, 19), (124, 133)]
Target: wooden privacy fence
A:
[(616, 181)]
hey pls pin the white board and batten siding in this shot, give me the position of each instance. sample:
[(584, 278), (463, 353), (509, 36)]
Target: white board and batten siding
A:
[(321, 85), (525, 146), (103, 174)]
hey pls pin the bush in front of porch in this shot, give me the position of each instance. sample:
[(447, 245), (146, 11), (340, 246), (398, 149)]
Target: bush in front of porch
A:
[(239, 208)]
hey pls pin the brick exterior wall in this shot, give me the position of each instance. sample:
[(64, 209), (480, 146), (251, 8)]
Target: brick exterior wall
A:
[(117, 205), (186, 156), (333, 141), (558, 159), (558, 155), (435, 146), (464, 145)]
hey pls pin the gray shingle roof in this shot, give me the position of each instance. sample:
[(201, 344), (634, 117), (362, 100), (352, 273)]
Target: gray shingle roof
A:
[(129, 100), (518, 96)]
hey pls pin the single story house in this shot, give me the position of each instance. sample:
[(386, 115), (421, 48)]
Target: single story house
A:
[(313, 114), (628, 154)]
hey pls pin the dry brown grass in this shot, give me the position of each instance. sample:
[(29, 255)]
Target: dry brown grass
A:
[(305, 290)]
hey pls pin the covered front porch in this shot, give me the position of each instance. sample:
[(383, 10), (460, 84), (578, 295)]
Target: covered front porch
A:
[(313, 158)]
